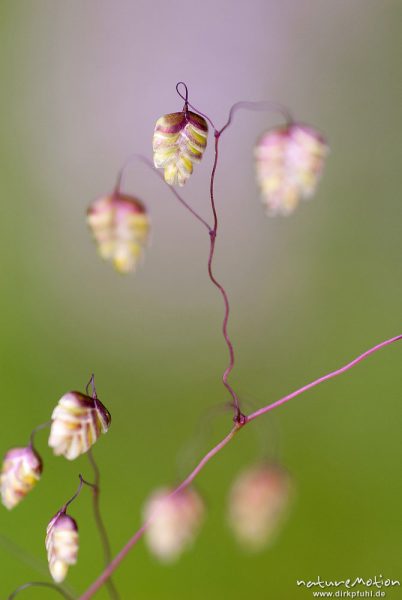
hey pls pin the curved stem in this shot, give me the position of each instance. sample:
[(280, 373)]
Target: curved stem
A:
[(196, 110), (77, 493), (185, 98), (187, 103), (91, 383), (123, 553), (257, 106), (35, 431), (40, 584), (150, 165), (107, 553), (213, 233)]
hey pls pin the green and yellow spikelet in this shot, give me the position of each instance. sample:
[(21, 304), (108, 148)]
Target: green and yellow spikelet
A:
[(179, 141)]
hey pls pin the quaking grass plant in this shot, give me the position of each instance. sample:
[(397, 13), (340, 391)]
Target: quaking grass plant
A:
[(289, 160)]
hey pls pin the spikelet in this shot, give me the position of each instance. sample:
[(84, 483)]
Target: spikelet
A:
[(289, 162), (77, 422), (258, 503), (120, 226), (22, 468), (179, 141), (174, 522), (61, 545)]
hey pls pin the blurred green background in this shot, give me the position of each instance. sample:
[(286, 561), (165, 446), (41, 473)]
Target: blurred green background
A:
[(82, 85)]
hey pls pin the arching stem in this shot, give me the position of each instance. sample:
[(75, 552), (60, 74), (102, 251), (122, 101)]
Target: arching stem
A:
[(30, 584), (123, 553), (36, 430), (144, 160)]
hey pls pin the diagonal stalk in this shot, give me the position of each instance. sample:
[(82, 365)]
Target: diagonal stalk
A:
[(123, 553)]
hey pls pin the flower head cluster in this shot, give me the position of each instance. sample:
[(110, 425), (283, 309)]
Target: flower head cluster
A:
[(174, 520), (179, 141), (61, 545), (258, 503), (289, 162), (77, 422), (120, 226), (22, 468)]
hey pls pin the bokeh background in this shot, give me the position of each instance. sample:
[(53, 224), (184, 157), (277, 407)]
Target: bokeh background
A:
[(82, 85)]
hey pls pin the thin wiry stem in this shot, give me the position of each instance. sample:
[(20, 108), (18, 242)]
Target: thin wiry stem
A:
[(187, 103), (255, 106), (150, 165), (35, 431), (240, 419), (77, 493), (213, 232), (238, 416), (107, 553), (96, 508), (53, 586), (258, 106), (330, 375), (123, 553), (91, 384)]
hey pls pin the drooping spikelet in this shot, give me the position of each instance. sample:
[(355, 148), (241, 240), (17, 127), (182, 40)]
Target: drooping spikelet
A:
[(61, 545), (258, 503), (120, 226), (174, 522), (22, 468), (77, 422), (289, 162), (179, 141)]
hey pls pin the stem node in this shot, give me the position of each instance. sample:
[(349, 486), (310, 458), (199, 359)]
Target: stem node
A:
[(240, 419)]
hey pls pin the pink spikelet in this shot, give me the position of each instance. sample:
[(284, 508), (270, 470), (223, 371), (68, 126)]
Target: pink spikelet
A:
[(120, 226), (179, 141), (258, 503), (77, 422), (289, 162), (173, 522), (61, 545), (21, 470)]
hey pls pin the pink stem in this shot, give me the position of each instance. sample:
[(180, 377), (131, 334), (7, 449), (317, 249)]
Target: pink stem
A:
[(257, 106), (123, 553), (238, 416), (150, 165), (335, 373), (117, 560)]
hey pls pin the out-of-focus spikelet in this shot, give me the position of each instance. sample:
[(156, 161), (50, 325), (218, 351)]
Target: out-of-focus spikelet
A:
[(258, 503), (77, 422), (173, 522), (120, 226), (289, 162), (61, 545), (22, 468), (179, 141)]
